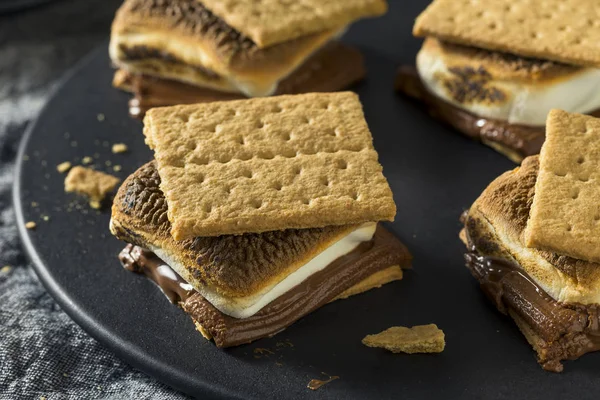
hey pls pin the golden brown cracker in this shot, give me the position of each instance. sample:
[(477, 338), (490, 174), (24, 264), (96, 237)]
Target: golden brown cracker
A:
[(268, 22), (565, 214), (559, 30), (266, 164), (377, 280), (418, 339)]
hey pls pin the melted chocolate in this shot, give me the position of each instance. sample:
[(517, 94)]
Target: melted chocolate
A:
[(567, 331), (383, 251), (524, 140), (135, 259), (332, 68)]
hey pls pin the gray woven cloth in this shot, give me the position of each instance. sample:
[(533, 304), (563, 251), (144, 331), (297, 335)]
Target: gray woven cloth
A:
[(43, 354)]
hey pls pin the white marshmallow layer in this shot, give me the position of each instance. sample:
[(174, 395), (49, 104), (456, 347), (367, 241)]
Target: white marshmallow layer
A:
[(250, 306), (526, 103)]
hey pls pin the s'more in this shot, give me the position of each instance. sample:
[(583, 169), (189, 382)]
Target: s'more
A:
[(493, 69), (170, 52), (256, 212), (533, 240)]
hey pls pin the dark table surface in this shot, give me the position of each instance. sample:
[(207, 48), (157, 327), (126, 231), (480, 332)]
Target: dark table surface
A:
[(43, 354)]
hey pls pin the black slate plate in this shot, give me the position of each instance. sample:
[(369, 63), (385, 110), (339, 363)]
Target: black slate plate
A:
[(434, 174)]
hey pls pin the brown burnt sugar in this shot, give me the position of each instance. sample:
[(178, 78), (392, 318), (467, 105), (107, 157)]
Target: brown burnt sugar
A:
[(192, 16), (518, 66), (470, 84)]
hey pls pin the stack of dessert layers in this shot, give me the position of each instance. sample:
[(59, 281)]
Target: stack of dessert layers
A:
[(533, 240), (494, 69), (256, 212), (171, 52)]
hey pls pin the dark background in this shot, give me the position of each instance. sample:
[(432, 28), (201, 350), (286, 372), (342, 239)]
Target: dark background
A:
[(435, 174)]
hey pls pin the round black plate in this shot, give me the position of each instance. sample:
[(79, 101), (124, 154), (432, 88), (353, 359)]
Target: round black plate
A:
[(434, 173)]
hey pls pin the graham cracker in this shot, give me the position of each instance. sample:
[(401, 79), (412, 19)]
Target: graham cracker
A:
[(565, 214), (264, 164), (268, 22), (375, 281), (94, 184), (418, 339), (561, 30)]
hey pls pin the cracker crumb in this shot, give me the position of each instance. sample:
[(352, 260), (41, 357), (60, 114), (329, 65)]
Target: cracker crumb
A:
[(63, 167), (117, 168), (94, 184), (34, 204), (101, 117), (6, 269), (400, 339), (119, 148), (316, 384), (30, 225), (87, 160), (46, 218)]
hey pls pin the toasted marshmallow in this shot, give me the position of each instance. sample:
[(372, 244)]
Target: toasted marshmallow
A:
[(506, 87), (250, 305), (200, 66)]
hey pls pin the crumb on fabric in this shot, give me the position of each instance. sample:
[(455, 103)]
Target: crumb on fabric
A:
[(30, 225), (87, 160), (101, 117)]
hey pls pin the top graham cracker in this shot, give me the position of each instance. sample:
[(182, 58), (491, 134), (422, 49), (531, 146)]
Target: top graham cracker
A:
[(565, 214), (268, 22), (567, 31), (265, 164)]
